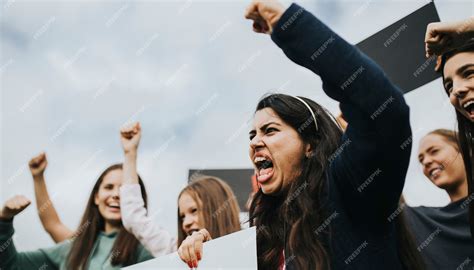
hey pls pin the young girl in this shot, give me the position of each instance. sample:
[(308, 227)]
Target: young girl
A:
[(448, 226), (326, 197), (455, 42), (100, 242), (207, 202)]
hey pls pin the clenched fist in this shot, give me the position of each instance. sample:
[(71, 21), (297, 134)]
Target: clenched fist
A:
[(442, 37), (265, 15), (38, 164), (130, 137), (14, 206)]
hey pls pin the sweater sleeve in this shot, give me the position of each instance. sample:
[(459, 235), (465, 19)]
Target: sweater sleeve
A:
[(10, 258), (370, 166), (135, 219)]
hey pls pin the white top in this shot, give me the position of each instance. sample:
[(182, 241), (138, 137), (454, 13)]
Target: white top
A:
[(135, 220)]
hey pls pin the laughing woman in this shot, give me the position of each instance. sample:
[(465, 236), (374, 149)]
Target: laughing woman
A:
[(455, 43), (326, 197), (443, 165), (101, 242)]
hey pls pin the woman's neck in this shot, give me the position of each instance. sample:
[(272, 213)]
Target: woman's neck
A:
[(109, 228), (458, 192)]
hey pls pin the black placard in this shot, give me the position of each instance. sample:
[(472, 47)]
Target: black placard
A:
[(400, 49)]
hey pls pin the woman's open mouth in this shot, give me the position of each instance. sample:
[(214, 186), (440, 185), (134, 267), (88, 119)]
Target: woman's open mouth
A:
[(114, 207), (264, 168), (469, 108), (435, 172)]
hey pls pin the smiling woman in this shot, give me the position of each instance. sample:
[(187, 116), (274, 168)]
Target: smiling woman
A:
[(103, 212), (443, 165), (101, 242), (454, 43), (457, 68), (458, 79)]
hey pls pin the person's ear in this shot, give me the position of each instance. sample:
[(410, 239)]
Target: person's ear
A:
[(308, 150)]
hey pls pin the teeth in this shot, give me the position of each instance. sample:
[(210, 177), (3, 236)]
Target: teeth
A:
[(114, 204), (258, 159), (435, 171), (468, 103)]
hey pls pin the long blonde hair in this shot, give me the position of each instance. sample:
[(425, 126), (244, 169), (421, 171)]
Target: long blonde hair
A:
[(218, 206)]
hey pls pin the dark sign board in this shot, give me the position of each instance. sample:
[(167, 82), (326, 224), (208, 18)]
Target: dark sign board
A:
[(400, 49), (240, 180)]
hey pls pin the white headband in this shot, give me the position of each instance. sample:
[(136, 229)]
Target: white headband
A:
[(310, 110)]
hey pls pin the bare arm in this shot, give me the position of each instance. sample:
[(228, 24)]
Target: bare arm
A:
[(46, 211)]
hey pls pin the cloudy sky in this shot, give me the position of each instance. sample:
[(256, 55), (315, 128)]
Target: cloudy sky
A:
[(191, 72)]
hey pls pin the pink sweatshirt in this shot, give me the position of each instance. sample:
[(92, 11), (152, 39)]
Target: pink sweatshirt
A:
[(135, 219)]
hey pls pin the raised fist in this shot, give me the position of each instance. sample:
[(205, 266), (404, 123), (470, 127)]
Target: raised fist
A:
[(38, 164), (14, 206), (442, 37), (265, 15), (130, 137)]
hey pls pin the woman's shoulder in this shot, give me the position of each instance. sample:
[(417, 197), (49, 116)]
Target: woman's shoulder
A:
[(59, 252)]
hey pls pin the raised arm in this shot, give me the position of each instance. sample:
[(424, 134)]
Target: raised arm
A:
[(46, 211), (130, 139), (9, 257), (369, 168), (134, 214), (442, 37)]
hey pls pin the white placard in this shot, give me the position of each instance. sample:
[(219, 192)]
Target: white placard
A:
[(236, 251)]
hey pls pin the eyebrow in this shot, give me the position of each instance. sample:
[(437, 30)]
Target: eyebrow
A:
[(264, 127), (427, 150), (460, 70)]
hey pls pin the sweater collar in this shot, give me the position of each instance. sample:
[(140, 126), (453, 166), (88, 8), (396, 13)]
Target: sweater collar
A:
[(460, 204), (108, 235)]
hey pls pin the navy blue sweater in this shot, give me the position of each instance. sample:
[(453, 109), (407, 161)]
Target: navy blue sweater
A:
[(367, 172)]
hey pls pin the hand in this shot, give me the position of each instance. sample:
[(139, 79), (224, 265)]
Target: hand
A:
[(442, 37), (190, 250), (14, 206), (265, 15), (342, 121), (38, 164), (130, 137)]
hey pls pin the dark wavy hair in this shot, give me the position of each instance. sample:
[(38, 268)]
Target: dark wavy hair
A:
[(465, 136), (288, 222), (124, 250)]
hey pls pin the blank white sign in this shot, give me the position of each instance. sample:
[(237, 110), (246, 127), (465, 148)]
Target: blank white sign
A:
[(236, 251)]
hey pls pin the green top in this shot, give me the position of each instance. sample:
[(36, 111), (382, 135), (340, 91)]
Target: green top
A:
[(56, 256)]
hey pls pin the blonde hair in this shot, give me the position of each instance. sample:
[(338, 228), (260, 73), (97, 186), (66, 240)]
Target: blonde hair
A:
[(450, 136), (217, 203)]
